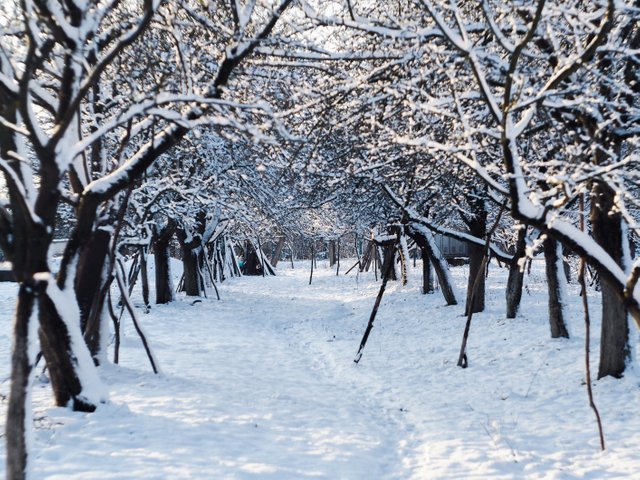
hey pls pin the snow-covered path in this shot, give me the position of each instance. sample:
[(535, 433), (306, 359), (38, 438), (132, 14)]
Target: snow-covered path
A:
[(266, 406), (262, 385), (239, 396)]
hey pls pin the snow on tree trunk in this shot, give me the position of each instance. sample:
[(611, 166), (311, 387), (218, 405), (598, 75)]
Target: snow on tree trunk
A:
[(425, 240), (403, 250), (556, 282), (73, 375)]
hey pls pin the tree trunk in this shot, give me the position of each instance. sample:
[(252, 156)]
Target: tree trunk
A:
[(253, 263), (516, 276), (477, 225), (476, 257), (389, 251), (16, 421), (62, 361), (425, 241), (162, 262), (192, 285), (427, 275), (367, 257), (144, 276), (89, 287), (615, 351), (278, 251), (62, 356), (606, 225), (478, 228), (332, 252), (556, 283)]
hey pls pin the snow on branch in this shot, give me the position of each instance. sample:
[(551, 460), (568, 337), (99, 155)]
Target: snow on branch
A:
[(415, 218)]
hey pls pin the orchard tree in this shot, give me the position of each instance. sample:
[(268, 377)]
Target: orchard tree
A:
[(547, 81), (510, 80), (54, 56)]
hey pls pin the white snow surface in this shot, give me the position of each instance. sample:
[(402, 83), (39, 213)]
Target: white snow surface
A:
[(262, 385)]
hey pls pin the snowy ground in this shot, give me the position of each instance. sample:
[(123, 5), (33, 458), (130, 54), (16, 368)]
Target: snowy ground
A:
[(262, 385)]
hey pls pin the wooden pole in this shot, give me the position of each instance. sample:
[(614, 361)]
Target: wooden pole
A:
[(313, 254), (462, 357), (386, 268)]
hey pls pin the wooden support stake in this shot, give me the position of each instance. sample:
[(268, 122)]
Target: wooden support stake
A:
[(386, 268), (462, 357), (134, 318)]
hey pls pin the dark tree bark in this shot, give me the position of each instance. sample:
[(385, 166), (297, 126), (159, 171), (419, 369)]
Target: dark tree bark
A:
[(477, 225), (331, 252), (427, 275), (278, 251), (20, 370), (389, 251), (90, 271), (516, 276), (476, 257), (555, 280), (439, 265), (253, 262), (162, 262), (89, 287), (567, 270), (144, 276), (192, 284), (367, 257), (61, 361), (606, 225)]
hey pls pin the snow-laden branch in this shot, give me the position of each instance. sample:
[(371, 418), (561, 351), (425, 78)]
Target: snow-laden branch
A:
[(468, 50), (106, 58), (360, 24), (415, 218), (19, 192)]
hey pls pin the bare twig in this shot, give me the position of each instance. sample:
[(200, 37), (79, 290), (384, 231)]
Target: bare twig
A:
[(127, 303), (587, 323)]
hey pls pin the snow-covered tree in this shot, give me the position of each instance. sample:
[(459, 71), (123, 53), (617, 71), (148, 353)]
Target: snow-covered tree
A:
[(58, 121)]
